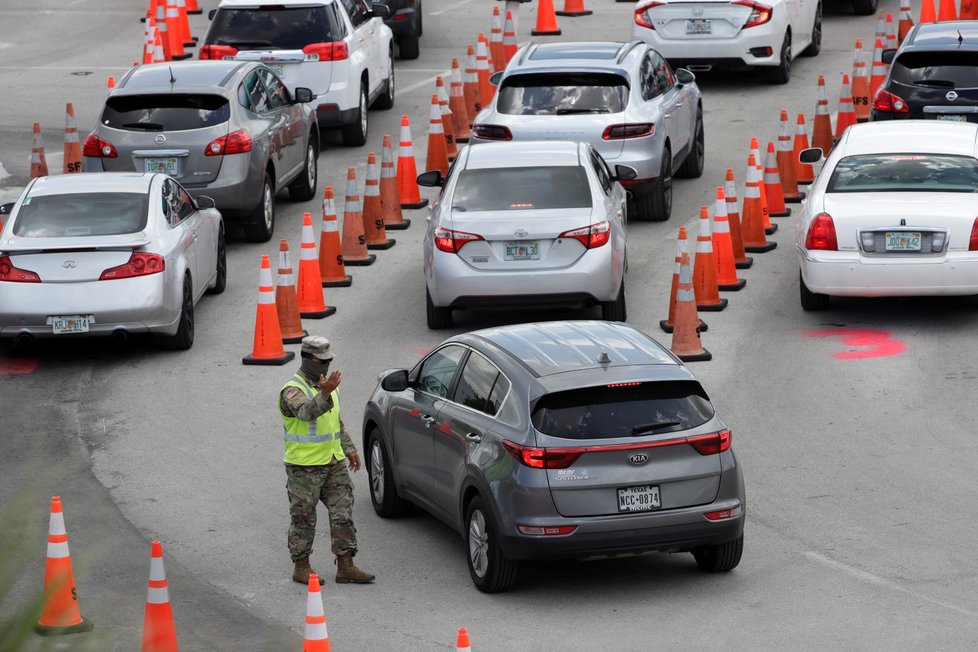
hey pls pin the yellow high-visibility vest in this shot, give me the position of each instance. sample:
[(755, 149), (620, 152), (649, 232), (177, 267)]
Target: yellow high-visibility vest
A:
[(312, 443)]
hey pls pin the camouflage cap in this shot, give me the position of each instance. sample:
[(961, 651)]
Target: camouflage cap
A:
[(317, 346)]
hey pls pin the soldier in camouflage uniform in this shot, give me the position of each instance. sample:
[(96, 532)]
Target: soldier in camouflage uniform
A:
[(317, 450)]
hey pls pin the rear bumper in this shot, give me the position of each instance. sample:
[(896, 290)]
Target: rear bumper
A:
[(329, 115), (720, 52)]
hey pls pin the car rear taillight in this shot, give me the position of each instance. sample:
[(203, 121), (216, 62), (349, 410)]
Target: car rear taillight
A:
[(236, 142), (547, 530), (821, 234), (95, 147), (217, 51), (973, 243), (628, 130), (759, 14), (543, 458), (724, 514), (711, 444), (451, 241), (139, 264), (334, 51), (13, 274), (887, 101), (492, 132), (642, 16), (592, 236)]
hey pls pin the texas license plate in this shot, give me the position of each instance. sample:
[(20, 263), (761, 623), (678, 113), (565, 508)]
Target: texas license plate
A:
[(902, 241), (953, 117), (529, 250), (63, 324), (161, 165), (638, 499), (698, 26)]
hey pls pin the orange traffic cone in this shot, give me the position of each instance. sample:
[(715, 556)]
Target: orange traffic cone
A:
[(184, 23), (946, 11), (447, 119), (726, 270), (354, 240), (159, 632), (193, 7), (332, 271), (60, 613), (741, 259), (822, 127), (847, 114), (456, 102), (149, 38), (906, 18), (892, 42), (390, 198), (861, 99), (574, 8), (470, 86), (486, 89), (109, 84), (686, 343), (267, 349), (462, 641), (158, 54), (546, 19), (752, 217), (496, 56), (316, 638), (286, 299), (510, 46), (373, 216), (803, 171), (969, 11), (72, 157), (786, 165), (39, 164), (880, 26), (437, 149), (312, 302), (927, 12), (879, 70), (407, 172), (772, 185), (681, 247), (162, 27), (705, 268), (755, 150), (174, 34)]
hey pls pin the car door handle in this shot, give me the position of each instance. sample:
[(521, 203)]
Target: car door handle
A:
[(428, 420), (473, 437), (667, 115)]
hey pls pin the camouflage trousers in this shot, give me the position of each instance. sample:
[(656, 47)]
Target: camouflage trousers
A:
[(331, 484)]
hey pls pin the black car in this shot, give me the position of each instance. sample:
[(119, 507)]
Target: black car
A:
[(933, 75), (405, 22)]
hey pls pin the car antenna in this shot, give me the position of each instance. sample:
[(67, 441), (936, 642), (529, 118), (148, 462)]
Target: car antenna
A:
[(960, 38), (173, 80)]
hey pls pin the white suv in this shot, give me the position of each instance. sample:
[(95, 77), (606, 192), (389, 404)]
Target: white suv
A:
[(340, 49)]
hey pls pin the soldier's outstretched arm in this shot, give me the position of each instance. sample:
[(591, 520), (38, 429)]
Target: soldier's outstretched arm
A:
[(295, 404)]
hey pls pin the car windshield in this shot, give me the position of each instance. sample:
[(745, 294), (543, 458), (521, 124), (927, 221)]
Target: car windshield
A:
[(905, 173), (526, 188), (81, 214), (563, 94), (165, 112), (272, 27), (623, 410), (936, 69)]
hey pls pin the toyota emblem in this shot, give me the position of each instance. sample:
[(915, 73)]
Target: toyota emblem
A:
[(951, 96), (160, 139), (638, 458), (521, 232)]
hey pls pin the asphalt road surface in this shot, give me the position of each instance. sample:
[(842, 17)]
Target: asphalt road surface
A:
[(859, 466)]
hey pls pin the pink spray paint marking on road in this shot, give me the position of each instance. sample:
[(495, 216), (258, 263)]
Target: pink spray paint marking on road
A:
[(880, 343), (18, 366)]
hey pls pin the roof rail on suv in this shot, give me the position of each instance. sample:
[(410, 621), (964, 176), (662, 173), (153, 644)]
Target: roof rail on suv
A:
[(526, 50), (625, 49)]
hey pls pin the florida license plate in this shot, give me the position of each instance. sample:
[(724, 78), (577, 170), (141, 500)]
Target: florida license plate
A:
[(638, 499), (277, 68), (161, 165), (63, 324), (902, 241), (529, 250), (953, 117), (698, 26)]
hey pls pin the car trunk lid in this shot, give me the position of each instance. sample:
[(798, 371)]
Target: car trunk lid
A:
[(698, 20)]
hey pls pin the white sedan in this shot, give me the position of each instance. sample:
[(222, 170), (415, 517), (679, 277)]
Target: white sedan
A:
[(706, 34), (892, 213)]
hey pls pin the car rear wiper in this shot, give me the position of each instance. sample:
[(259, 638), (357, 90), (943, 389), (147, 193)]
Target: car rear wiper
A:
[(652, 427), (572, 111), (144, 126), (935, 83)]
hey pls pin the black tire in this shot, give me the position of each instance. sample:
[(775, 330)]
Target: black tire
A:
[(865, 7), (692, 167), (262, 224), (720, 558), (222, 263), (355, 134), (615, 310), (811, 301), (386, 99), (303, 187), (438, 318), (661, 197), (816, 45), (409, 46), (420, 20), (490, 570), (383, 493), (184, 337), (781, 73)]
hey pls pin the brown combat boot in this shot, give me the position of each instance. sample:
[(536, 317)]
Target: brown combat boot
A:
[(302, 571), (348, 573)]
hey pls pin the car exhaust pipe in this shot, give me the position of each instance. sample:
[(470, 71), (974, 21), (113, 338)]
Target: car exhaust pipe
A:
[(700, 67), (25, 338), (120, 335)]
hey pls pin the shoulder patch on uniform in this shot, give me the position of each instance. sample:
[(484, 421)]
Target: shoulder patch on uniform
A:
[(291, 392)]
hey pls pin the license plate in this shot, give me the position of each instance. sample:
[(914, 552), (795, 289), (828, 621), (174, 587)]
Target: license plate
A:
[(953, 117), (69, 324), (698, 26), (638, 499), (277, 68), (902, 241), (529, 250), (161, 165)]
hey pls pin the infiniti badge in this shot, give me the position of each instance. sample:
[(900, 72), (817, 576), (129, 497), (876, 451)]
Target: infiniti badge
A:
[(160, 139), (638, 458), (951, 96), (69, 264)]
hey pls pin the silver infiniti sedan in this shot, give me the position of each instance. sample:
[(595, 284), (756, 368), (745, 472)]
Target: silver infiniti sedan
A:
[(108, 254), (526, 224), (557, 440)]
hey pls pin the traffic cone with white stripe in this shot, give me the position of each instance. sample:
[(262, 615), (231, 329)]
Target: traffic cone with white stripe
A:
[(496, 56), (470, 86), (184, 22), (686, 343), (407, 172), (390, 198), (879, 70), (705, 268), (162, 27), (928, 14), (822, 127), (332, 271), (286, 299), (906, 17), (316, 637), (786, 165), (72, 156), (772, 185), (462, 641), (510, 45), (312, 300), (861, 99), (546, 19), (456, 102), (847, 114), (574, 8), (723, 247), (880, 26), (373, 215), (681, 246), (59, 613), (158, 54), (437, 149), (891, 42), (752, 217), (174, 34), (354, 241), (755, 151), (159, 631), (267, 349), (447, 119), (486, 89), (193, 7), (741, 259), (946, 11), (149, 38), (39, 163), (803, 171)]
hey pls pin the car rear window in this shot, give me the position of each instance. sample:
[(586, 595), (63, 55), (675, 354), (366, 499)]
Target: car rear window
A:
[(165, 112), (81, 214), (271, 28), (563, 94), (936, 69), (529, 188), (623, 410), (905, 173)]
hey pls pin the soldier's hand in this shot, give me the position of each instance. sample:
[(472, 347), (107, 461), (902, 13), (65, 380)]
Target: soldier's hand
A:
[(354, 458), (328, 383)]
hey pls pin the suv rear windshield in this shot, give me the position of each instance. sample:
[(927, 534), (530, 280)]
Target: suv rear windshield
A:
[(905, 173), (936, 69), (81, 214), (563, 94), (271, 27), (625, 410), (165, 112), (530, 188)]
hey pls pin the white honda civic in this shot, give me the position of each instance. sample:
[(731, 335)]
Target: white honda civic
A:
[(892, 213)]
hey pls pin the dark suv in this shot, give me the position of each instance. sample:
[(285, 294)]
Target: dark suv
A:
[(405, 22), (933, 75)]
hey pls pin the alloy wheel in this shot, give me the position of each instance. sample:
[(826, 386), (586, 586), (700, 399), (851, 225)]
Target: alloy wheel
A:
[(478, 543)]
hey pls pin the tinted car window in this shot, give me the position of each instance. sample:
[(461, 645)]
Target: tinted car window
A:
[(477, 386), (662, 73), (165, 112), (271, 27), (255, 91), (623, 411), (526, 188), (603, 178), (356, 10), (563, 94), (936, 69), (81, 214), (906, 173), (438, 370), (278, 96)]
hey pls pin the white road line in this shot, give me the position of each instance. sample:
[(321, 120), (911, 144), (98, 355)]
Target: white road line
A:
[(424, 82), (454, 5)]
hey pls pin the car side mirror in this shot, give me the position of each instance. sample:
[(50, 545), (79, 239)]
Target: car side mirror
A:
[(211, 14), (301, 95), (431, 179), (395, 381), (380, 11), (625, 173), (7, 209), (204, 202), (888, 56), (495, 77), (684, 77), (811, 155)]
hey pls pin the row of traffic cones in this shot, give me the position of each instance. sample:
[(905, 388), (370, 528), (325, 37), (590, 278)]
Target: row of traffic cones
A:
[(72, 153), (945, 10), (170, 30)]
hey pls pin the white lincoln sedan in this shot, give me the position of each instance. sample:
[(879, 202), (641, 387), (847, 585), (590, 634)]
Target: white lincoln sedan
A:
[(893, 213)]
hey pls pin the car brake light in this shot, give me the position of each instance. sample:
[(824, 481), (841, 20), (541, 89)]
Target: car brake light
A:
[(724, 514), (973, 243), (887, 101), (333, 51), (592, 236), (492, 132), (547, 530), (543, 458), (217, 52), (451, 241), (821, 234), (711, 444), (139, 264), (95, 147), (8, 272), (642, 16), (628, 130), (759, 14), (236, 142)]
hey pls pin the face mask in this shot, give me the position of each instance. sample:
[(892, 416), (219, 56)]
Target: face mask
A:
[(315, 367)]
